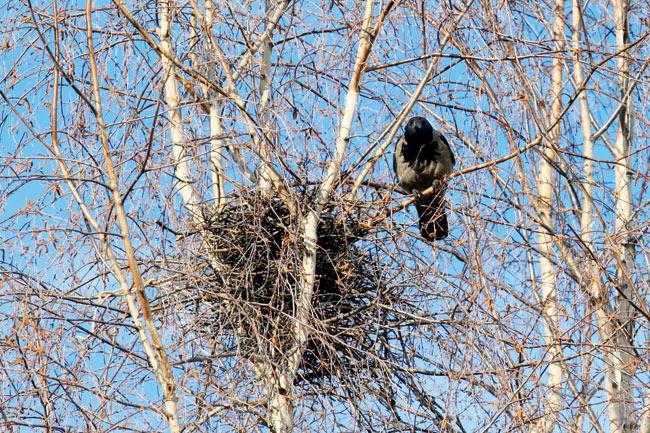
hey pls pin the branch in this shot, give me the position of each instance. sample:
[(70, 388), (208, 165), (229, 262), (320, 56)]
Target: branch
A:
[(155, 348), (176, 129)]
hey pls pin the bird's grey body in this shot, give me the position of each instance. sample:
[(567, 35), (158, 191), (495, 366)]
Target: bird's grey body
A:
[(432, 163), (423, 159)]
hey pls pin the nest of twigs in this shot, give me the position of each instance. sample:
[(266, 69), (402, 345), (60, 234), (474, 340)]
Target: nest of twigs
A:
[(251, 272)]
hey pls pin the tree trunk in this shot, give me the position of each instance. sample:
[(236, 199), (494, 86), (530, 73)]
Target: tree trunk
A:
[(548, 274), (622, 411)]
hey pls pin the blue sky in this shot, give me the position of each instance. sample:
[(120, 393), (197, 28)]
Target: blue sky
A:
[(44, 236)]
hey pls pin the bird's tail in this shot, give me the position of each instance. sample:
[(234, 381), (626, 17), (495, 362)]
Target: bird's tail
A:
[(433, 218)]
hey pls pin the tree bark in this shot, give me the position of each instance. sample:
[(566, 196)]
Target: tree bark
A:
[(149, 337), (172, 99), (263, 111), (622, 410), (281, 407), (548, 286)]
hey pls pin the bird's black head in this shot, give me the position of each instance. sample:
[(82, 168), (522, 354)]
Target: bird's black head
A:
[(418, 130)]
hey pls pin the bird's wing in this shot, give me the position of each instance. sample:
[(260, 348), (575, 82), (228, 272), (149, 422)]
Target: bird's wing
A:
[(397, 154), (451, 154)]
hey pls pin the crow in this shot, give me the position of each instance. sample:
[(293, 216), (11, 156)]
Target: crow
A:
[(422, 159)]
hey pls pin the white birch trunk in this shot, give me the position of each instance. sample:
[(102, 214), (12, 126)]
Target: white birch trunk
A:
[(217, 142), (277, 382), (622, 413), (587, 208), (172, 99), (612, 355), (613, 326), (260, 144), (148, 334), (264, 90), (548, 279), (586, 215), (281, 410)]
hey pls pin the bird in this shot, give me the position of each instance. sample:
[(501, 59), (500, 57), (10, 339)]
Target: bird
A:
[(423, 159)]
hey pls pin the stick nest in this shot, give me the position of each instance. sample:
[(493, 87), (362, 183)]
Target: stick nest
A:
[(251, 273)]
